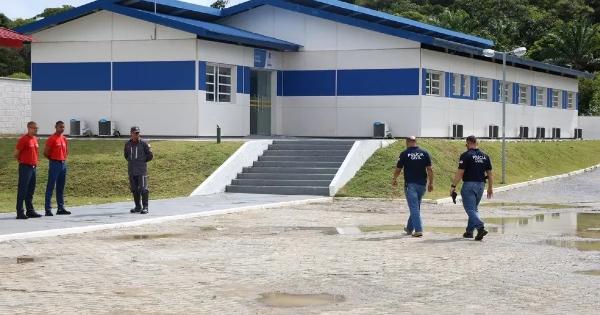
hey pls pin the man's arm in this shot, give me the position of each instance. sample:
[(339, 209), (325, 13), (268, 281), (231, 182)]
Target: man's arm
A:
[(457, 177), (490, 189), (16, 154), (47, 150), (429, 178), (396, 174)]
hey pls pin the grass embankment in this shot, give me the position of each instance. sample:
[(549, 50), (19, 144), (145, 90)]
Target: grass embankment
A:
[(525, 161), (97, 171)]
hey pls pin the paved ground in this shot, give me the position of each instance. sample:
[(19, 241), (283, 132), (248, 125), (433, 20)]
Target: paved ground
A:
[(245, 263)]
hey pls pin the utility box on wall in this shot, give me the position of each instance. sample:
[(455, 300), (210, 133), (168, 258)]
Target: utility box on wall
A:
[(540, 133), (523, 132), (457, 131), (493, 132)]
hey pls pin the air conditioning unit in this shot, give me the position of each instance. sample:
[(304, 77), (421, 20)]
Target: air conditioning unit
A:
[(106, 128), (78, 128), (493, 132), (555, 133), (457, 131), (540, 133), (523, 132), (578, 133)]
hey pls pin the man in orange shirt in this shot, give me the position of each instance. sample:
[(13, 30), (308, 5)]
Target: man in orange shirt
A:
[(27, 154), (56, 152)]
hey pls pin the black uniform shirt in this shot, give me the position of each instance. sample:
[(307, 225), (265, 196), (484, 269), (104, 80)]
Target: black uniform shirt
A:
[(475, 163), (414, 160)]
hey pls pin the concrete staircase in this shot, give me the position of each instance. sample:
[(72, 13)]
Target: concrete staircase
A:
[(303, 167)]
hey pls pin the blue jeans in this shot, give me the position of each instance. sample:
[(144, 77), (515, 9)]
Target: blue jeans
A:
[(26, 187), (57, 174), (471, 194), (414, 193)]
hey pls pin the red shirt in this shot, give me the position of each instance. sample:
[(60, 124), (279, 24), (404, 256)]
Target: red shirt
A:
[(28, 150), (57, 146)]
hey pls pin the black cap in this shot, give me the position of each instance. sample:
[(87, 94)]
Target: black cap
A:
[(135, 129)]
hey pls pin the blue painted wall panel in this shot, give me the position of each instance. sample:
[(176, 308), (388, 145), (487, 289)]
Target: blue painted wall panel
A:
[(533, 93), (424, 81), (378, 82), (202, 75), (154, 75), (246, 80), (309, 83), (474, 88), (447, 84), (549, 96), (240, 79), (84, 76)]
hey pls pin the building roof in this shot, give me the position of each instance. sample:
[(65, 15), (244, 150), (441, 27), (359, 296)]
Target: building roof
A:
[(204, 22), (12, 39)]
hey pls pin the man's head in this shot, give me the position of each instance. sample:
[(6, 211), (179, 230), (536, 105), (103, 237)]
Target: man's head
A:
[(59, 127), (135, 132), (411, 141), (32, 128), (471, 142)]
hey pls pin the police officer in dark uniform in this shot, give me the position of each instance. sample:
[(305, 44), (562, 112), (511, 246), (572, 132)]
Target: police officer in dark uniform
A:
[(474, 167), (137, 152)]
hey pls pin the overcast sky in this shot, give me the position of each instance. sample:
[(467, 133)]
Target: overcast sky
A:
[(29, 8)]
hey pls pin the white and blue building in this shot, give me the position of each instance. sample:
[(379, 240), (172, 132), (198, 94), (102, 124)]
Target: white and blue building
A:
[(282, 67)]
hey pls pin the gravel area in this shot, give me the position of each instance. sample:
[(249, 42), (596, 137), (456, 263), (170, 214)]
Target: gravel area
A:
[(295, 261)]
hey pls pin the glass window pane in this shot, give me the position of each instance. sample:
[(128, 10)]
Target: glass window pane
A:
[(224, 89), (224, 98), (224, 71), (210, 88), (210, 97), (225, 80)]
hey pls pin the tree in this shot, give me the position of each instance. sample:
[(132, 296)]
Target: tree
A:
[(219, 4), (52, 11)]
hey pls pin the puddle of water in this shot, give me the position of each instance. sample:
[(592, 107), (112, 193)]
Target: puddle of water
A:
[(323, 229), (583, 224), (25, 260), (386, 238), (381, 228), (135, 237), (584, 246), (279, 299), (348, 230), (589, 272), (535, 205)]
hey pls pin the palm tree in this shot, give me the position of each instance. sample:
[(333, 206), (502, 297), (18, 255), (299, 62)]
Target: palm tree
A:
[(575, 44)]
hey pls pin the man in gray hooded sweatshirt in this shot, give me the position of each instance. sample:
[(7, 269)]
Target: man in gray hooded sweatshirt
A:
[(138, 153)]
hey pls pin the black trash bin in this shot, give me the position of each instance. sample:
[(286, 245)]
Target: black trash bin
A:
[(75, 127), (378, 129)]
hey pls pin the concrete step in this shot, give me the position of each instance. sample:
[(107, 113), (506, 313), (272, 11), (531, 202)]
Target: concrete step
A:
[(290, 176), (292, 146), (279, 190), (296, 164), (306, 153), (317, 142), (313, 158), (283, 170), (280, 182)]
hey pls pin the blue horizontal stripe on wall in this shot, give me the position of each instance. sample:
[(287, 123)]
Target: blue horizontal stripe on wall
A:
[(84, 76), (309, 83), (378, 82), (154, 75)]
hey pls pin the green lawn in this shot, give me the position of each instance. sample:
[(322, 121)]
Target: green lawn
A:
[(525, 161), (98, 172)]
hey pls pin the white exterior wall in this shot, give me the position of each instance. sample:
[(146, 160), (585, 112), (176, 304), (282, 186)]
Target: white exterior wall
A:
[(108, 37), (15, 105), (440, 113), (590, 126), (329, 45)]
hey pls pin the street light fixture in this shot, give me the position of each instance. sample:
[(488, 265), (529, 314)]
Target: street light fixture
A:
[(490, 53)]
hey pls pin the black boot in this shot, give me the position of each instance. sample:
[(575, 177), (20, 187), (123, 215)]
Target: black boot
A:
[(144, 203), (138, 207), (33, 214), (21, 215), (481, 232)]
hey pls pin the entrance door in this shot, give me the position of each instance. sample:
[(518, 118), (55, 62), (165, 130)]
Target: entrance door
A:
[(260, 103)]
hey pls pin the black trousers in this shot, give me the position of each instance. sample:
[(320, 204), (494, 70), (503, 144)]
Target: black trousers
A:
[(138, 184)]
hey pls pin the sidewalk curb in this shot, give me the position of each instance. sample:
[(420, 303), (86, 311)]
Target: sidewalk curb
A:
[(159, 220), (448, 200)]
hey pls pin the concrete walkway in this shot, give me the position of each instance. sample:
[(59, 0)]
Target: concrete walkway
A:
[(98, 217)]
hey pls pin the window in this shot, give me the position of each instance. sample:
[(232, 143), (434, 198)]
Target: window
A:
[(540, 98), (466, 85), (482, 89), (555, 98), (432, 83), (507, 92), (523, 94), (456, 84), (571, 100), (218, 84)]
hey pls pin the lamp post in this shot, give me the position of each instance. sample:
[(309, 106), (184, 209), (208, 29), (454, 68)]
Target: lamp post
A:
[(490, 53)]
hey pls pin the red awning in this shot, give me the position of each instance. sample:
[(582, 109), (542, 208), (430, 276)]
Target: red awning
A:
[(12, 39)]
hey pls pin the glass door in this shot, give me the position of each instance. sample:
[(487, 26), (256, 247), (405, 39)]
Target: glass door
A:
[(260, 103)]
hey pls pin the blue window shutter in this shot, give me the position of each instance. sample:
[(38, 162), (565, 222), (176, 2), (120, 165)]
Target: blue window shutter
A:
[(462, 85), (447, 85), (451, 94), (424, 81), (533, 93), (202, 75), (240, 79), (577, 101), (474, 88), (549, 103), (565, 97), (515, 93), (246, 80), (495, 96)]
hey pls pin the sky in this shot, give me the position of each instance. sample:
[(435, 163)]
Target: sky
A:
[(28, 8)]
